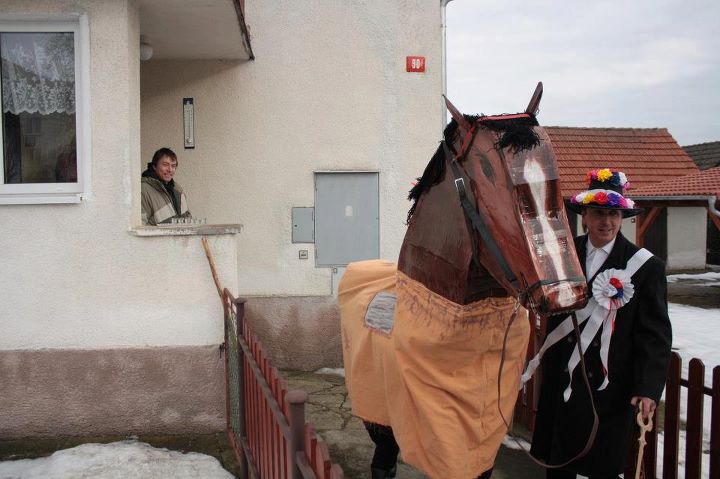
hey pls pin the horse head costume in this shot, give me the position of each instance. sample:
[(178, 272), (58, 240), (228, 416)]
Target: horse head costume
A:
[(424, 340)]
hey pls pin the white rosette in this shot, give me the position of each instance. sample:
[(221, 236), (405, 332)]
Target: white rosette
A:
[(604, 292)]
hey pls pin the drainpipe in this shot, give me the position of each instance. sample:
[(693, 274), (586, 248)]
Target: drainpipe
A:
[(443, 16), (711, 206)]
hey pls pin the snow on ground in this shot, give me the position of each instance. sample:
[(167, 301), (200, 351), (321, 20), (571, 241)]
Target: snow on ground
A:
[(332, 371), (696, 333), (709, 276), (118, 460), (516, 443)]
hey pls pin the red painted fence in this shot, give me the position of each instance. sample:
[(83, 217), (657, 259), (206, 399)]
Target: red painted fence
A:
[(668, 420), (265, 421)]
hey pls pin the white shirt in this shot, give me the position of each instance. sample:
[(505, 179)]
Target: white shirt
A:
[(595, 257)]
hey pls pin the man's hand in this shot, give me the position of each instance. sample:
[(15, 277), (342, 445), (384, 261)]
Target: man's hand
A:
[(648, 405)]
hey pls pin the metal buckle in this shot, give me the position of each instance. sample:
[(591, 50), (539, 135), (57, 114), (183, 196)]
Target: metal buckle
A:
[(460, 185)]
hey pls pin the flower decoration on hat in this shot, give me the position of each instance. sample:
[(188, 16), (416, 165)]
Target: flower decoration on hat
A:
[(606, 188), (616, 178)]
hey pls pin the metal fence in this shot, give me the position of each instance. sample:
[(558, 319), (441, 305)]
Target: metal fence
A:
[(265, 420), (668, 423)]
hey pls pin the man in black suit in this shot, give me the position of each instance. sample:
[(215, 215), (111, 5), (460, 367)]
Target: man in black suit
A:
[(626, 338)]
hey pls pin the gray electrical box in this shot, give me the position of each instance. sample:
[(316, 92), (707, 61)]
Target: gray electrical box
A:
[(347, 217), (303, 225)]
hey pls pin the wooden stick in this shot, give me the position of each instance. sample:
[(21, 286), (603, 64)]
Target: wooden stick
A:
[(644, 427), (209, 255)]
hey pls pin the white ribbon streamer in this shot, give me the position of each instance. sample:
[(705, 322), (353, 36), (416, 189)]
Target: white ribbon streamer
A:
[(599, 313)]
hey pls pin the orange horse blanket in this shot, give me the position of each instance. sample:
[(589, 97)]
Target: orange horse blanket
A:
[(433, 376)]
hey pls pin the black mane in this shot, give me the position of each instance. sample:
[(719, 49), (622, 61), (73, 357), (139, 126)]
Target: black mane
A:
[(517, 134), (434, 171)]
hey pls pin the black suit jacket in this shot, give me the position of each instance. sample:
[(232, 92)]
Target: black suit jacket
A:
[(638, 359)]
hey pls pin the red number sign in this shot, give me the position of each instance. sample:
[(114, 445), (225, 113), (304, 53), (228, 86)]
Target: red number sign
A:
[(415, 64)]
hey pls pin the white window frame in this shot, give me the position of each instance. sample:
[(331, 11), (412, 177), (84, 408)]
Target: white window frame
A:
[(49, 193)]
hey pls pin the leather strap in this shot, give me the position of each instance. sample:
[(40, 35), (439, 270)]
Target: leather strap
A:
[(596, 421)]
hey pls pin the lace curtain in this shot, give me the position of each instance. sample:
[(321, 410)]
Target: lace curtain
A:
[(38, 73)]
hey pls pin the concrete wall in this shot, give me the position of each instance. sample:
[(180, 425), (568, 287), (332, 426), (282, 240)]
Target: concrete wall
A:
[(73, 392), (74, 277), (687, 236), (328, 91)]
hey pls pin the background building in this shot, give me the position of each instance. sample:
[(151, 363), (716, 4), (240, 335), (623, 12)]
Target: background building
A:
[(672, 229)]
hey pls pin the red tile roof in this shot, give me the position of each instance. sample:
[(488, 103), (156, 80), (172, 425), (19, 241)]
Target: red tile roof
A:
[(703, 183), (646, 155)]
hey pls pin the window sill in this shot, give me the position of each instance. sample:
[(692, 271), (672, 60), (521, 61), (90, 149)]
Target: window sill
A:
[(186, 230), (39, 199)]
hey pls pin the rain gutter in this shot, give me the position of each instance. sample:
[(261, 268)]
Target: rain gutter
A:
[(711, 200), (443, 26)]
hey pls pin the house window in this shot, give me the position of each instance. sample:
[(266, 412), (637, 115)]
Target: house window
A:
[(44, 104)]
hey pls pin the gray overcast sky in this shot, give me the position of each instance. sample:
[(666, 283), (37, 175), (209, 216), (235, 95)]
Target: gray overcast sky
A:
[(606, 63)]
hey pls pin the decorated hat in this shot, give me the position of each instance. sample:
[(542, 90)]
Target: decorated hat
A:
[(605, 190)]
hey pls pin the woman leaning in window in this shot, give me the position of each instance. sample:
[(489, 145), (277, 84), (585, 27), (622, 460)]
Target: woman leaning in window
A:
[(162, 198)]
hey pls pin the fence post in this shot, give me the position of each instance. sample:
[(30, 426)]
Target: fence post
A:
[(672, 418), (694, 428), (240, 315), (296, 411)]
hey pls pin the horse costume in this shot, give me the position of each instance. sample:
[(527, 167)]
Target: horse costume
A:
[(424, 341)]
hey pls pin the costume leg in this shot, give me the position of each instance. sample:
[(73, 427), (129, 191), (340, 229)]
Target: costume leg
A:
[(386, 450)]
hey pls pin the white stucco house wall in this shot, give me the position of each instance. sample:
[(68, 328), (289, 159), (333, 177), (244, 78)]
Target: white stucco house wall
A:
[(109, 326)]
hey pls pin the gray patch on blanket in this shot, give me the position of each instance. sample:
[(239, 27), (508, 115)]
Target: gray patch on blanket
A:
[(380, 314)]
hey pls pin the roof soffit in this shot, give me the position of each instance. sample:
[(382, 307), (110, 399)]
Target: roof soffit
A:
[(195, 29)]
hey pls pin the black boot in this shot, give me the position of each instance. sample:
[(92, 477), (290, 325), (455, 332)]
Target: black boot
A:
[(384, 462)]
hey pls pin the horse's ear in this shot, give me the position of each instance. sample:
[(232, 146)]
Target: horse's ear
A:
[(534, 104), (459, 118)]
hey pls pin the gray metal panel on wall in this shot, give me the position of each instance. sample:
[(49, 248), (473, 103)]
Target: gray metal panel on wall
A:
[(303, 225), (347, 226)]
